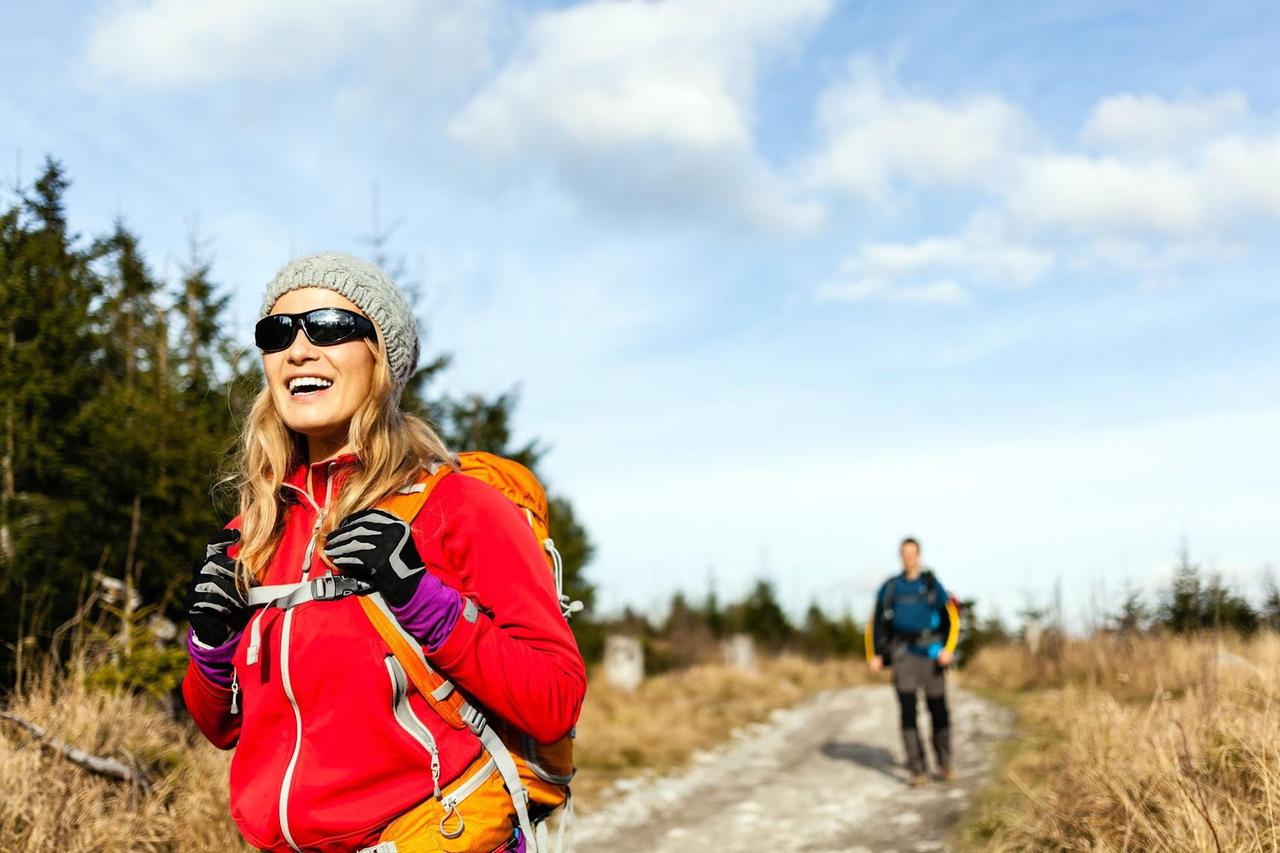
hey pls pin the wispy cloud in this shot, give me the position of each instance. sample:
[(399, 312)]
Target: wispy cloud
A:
[(926, 271), (175, 45), (646, 106), (878, 139), (1153, 186), (1147, 123)]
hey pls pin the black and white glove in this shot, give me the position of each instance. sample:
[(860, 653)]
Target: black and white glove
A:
[(215, 605), (375, 546)]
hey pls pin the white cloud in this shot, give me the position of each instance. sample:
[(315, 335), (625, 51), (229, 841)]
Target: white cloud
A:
[(1106, 194), (177, 44), (1246, 170), (1150, 123), (931, 270), (1177, 183), (1221, 188), (877, 138), (645, 105)]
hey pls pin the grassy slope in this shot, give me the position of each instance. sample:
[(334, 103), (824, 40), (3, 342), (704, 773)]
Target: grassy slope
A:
[(1153, 744)]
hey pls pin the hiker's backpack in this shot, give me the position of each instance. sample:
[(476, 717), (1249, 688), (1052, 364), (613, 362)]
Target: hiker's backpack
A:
[(536, 771), (891, 590), (937, 636)]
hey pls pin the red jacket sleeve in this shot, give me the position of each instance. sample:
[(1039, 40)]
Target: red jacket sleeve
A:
[(210, 706), (519, 658)]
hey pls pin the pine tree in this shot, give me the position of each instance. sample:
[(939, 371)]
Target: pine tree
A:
[(1133, 614), (48, 372), (1181, 611), (761, 616), (201, 307), (1270, 615), (1223, 607), (821, 636)]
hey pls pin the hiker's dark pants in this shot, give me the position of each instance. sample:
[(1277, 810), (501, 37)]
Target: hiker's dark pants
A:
[(911, 674)]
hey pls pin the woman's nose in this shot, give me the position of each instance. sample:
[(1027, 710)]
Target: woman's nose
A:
[(301, 349)]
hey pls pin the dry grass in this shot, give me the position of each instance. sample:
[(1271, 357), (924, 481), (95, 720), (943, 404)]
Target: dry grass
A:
[(1153, 744), (49, 804)]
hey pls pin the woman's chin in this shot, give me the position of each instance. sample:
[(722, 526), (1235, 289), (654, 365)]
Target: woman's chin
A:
[(314, 425)]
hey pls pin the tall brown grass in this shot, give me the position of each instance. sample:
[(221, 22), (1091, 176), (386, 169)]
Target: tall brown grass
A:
[(50, 804), (1143, 743)]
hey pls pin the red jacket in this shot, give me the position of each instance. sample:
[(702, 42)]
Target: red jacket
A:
[(332, 774)]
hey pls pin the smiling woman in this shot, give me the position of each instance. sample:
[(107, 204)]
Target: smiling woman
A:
[(310, 661), (320, 379)]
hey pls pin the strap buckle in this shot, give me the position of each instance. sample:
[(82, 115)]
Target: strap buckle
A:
[(330, 587), (474, 718)]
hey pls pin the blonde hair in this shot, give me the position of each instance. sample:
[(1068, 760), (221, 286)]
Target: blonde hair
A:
[(392, 446)]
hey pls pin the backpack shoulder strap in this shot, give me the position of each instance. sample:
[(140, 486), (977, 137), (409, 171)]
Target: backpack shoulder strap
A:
[(405, 504), (438, 690), (888, 596), (930, 588)]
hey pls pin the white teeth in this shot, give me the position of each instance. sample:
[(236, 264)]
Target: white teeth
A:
[(309, 383)]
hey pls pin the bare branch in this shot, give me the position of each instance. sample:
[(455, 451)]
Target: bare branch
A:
[(107, 767)]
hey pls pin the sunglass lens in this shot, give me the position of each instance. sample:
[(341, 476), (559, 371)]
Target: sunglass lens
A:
[(329, 326), (274, 332)]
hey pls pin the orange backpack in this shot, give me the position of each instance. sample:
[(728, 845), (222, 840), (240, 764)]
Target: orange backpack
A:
[(539, 780)]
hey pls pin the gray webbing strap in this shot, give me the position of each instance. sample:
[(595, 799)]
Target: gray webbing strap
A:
[(506, 768), (283, 595), (328, 587)]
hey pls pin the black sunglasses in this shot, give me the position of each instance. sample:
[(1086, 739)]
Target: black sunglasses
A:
[(324, 327)]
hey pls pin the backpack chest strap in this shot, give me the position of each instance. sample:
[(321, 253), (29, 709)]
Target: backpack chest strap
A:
[(328, 587)]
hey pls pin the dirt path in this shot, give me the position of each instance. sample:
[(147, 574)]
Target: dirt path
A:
[(823, 776)]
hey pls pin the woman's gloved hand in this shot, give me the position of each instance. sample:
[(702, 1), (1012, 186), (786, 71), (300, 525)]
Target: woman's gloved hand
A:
[(375, 546), (215, 605)]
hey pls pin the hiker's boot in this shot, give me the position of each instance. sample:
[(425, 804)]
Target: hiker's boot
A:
[(948, 773), (918, 780)]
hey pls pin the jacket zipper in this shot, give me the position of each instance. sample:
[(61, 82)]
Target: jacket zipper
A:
[(235, 691), (468, 787), (284, 663), (409, 721)]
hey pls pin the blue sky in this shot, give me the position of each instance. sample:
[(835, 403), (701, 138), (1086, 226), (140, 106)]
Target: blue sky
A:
[(779, 282)]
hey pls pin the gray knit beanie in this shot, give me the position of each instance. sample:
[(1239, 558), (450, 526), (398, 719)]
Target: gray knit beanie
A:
[(370, 289)]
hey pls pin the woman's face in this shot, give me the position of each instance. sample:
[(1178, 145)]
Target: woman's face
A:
[(322, 416)]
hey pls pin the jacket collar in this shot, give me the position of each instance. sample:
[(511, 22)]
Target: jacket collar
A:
[(322, 473)]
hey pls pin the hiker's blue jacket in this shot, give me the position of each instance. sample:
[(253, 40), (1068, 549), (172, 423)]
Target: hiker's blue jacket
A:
[(917, 614)]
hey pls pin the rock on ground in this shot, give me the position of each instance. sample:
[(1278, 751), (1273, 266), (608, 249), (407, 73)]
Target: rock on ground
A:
[(825, 775)]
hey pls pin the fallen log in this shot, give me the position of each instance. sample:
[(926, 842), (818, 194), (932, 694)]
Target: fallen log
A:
[(107, 767)]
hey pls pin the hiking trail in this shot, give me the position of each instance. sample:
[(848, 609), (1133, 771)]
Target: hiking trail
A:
[(825, 775)]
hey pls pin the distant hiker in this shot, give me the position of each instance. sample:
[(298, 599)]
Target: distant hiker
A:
[(914, 629), (378, 633)]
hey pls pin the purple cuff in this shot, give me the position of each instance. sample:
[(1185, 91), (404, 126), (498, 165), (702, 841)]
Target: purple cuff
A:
[(431, 613), (214, 662)]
